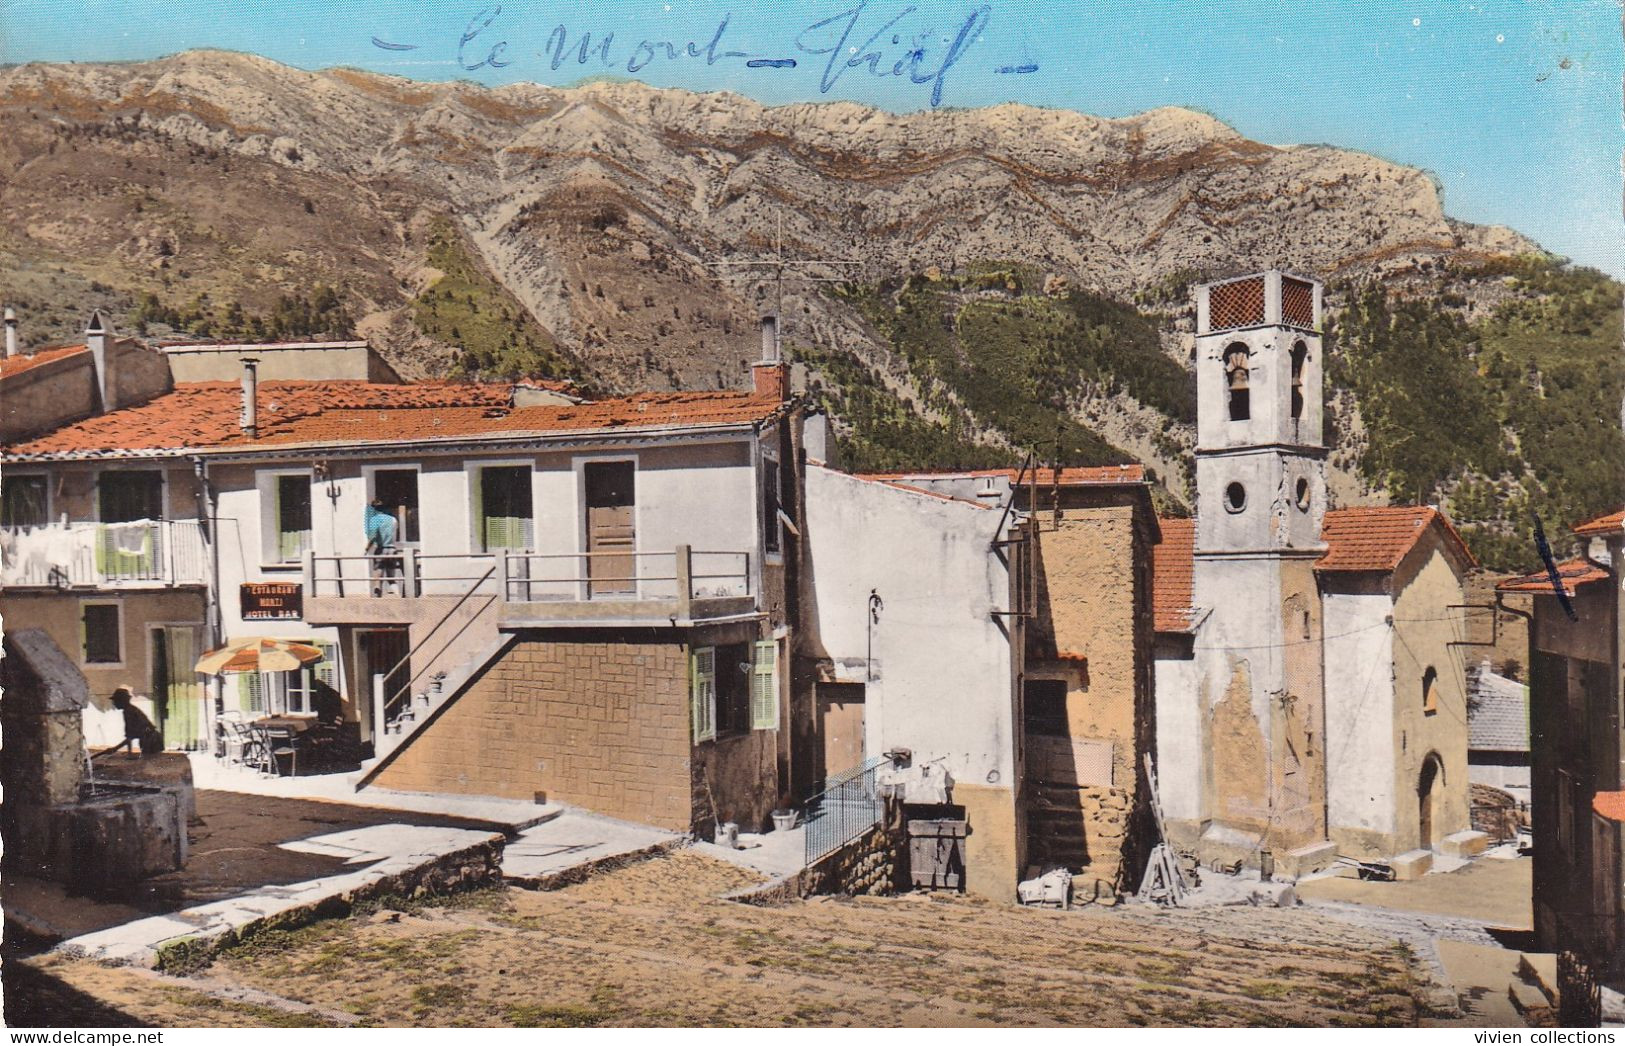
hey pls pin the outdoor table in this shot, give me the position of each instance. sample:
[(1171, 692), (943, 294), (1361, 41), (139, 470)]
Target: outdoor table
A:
[(300, 723)]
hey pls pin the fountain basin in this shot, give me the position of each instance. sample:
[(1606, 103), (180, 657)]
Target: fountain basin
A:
[(170, 771), (115, 835)]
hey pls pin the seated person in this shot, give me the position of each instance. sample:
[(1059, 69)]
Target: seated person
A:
[(327, 704)]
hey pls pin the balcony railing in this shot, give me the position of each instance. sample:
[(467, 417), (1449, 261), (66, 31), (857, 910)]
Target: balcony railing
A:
[(141, 554), (544, 586)]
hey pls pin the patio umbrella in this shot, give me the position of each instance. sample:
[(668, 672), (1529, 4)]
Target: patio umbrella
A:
[(258, 654)]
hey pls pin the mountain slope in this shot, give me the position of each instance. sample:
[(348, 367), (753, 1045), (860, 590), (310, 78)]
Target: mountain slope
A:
[(623, 235)]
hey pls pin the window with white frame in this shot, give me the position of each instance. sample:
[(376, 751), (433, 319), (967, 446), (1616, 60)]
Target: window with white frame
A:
[(503, 510), (285, 515), (288, 693), (398, 490)]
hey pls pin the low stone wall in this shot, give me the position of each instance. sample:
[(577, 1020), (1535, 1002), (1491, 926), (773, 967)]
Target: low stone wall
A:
[(1495, 813), (868, 865)]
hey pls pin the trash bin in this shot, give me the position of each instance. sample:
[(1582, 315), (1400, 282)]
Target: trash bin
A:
[(936, 853)]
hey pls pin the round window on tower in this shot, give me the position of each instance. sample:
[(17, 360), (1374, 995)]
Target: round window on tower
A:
[(1235, 497), (1302, 497)]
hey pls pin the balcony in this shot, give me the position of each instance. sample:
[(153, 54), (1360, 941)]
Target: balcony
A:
[(140, 555), (535, 590)]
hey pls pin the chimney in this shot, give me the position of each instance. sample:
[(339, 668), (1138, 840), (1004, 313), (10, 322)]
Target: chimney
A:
[(11, 332), (770, 375), (98, 338), (250, 420)]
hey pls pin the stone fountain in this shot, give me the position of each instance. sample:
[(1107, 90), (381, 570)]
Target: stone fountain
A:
[(60, 823)]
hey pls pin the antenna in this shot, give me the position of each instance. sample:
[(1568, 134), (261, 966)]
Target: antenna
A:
[(778, 266)]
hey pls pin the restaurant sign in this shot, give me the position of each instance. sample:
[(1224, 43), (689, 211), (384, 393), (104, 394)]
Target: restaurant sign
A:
[(273, 601)]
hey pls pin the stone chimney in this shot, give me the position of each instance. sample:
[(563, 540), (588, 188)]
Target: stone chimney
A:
[(11, 332), (98, 337), (770, 375), (250, 420)]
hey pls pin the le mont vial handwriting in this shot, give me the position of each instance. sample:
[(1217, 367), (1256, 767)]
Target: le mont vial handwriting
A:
[(861, 39)]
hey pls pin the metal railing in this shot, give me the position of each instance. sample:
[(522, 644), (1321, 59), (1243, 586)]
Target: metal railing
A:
[(405, 574), (401, 699), (682, 574), (104, 555), (849, 805)]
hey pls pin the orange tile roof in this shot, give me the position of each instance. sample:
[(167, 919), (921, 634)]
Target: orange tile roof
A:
[(1610, 805), (1173, 575), (1572, 574), (1612, 523), (204, 415), (1372, 537), (17, 364)]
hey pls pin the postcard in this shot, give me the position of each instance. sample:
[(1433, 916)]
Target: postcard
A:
[(931, 513)]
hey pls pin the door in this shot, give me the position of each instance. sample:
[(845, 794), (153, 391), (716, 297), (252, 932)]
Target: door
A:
[(611, 534), (384, 670), (176, 695), (840, 725), (1425, 791)]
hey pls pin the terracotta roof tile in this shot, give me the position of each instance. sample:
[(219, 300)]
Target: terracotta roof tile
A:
[(17, 364), (1374, 537), (1610, 805), (204, 415), (1572, 573), (1612, 523), (1173, 574)]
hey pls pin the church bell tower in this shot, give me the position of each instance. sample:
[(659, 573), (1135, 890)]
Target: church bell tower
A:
[(1260, 499)]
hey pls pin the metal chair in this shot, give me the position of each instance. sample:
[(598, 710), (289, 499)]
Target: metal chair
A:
[(282, 741), (251, 745)]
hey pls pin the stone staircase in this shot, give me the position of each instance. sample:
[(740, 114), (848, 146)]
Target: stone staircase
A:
[(419, 710)]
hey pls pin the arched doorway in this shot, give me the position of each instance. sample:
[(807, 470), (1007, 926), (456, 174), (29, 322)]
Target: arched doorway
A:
[(1426, 790)]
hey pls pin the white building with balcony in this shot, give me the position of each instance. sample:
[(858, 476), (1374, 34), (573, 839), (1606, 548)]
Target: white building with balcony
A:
[(584, 598)]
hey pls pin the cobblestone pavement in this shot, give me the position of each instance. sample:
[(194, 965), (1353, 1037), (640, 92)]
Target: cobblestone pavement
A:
[(653, 944)]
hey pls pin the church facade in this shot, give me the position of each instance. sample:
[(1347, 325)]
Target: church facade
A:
[(1269, 742)]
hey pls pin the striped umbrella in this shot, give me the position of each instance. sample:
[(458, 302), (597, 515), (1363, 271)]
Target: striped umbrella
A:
[(258, 654)]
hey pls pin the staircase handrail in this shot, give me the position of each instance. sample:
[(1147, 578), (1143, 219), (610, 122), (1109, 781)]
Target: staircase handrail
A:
[(392, 700)]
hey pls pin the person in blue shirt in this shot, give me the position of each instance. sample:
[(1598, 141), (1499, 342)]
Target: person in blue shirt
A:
[(381, 542)]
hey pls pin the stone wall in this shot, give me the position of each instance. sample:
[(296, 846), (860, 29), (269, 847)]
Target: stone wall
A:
[(868, 865), (601, 724)]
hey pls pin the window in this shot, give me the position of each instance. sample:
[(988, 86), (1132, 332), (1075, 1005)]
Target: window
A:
[(702, 693), (1235, 498), (734, 671), (770, 505), (1045, 707), (1430, 691), (292, 517), (101, 629), (295, 691), (398, 490), (1300, 352), (1235, 375), (1302, 495), (24, 501), (126, 496), (504, 512), (764, 686)]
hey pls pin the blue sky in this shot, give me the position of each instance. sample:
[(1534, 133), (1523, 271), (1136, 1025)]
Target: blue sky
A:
[(1514, 105)]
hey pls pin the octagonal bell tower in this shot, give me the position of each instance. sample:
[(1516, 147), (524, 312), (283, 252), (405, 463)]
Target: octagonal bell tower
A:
[(1260, 499)]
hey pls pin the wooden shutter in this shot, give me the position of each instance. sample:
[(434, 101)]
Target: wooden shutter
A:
[(327, 669), (764, 688), (702, 693), (250, 693)]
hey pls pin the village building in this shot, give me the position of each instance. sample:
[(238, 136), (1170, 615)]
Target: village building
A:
[(1577, 740), (1498, 732), (1009, 653), (585, 599), (1324, 712)]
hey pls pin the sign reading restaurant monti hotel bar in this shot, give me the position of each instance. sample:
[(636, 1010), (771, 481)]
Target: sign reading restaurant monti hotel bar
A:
[(273, 601)]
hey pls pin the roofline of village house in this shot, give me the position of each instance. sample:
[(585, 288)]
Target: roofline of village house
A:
[(447, 444)]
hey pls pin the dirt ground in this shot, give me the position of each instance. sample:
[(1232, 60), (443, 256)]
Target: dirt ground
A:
[(1492, 891), (653, 944)]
